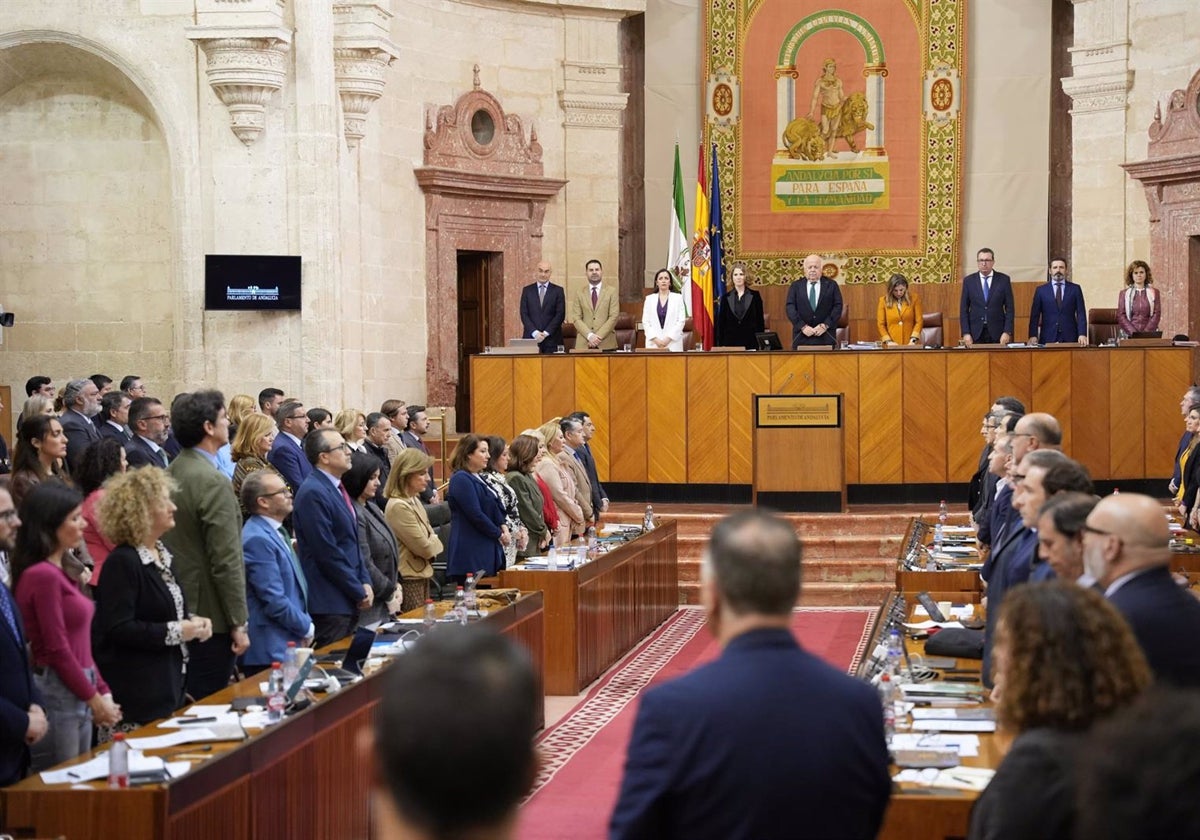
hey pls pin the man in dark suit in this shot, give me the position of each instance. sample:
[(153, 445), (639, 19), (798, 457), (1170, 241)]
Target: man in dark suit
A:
[(1058, 314), (1126, 549), (206, 542), (543, 308), (276, 590), (766, 741), (339, 584), (985, 309), (584, 454), (151, 424), (81, 402), (814, 306), (113, 417), (287, 452), (379, 432), (22, 720)]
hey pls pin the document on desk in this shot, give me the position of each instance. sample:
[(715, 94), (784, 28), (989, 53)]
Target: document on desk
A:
[(966, 744), (97, 768), (943, 725), (202, 720), (185, 735), (956, 713), (925, 625)]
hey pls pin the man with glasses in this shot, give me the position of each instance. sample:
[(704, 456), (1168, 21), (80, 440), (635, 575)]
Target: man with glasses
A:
[(339, 584), (276, 590), (132, 386), (287, 452), (22, 720), (1126, 549), (985, 310), (150, 424)]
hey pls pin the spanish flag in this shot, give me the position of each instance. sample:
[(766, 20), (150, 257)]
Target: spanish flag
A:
[(702, 288)]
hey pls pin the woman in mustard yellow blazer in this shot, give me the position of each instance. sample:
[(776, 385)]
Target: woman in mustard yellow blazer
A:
[(899, 314)]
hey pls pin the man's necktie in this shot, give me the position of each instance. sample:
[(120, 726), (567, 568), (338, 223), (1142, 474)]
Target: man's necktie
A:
[(812, 296), (162, 456), (1058, 293), (346, 499), (287, 540), (595, 297), (987, 282), (541, 295), (6, 609)]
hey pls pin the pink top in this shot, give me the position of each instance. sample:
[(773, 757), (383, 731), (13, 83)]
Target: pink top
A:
[(1138, 311), (58, 622), (98, 545)]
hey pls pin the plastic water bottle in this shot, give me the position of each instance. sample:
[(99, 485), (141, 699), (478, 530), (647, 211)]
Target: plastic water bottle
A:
[(470, 599), (552, 558), (118, 762), (648, 522), (430, 614), (275, 695), (887, 697), (939, 530), (895, 654), (460, 605), (591, 541), (291, 665)]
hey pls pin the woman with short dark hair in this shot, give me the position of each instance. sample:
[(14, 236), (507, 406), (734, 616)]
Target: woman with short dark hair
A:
[(101, 460), (375, 538), (478, 535)]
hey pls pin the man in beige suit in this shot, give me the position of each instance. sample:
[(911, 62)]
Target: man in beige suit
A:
[(593, 310)]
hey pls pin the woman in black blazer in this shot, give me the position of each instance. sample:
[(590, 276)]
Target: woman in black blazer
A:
[(741, 314), (141, 626), (375, 538)]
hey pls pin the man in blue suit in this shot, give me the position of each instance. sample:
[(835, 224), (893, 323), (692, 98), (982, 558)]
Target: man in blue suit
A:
[(985, 309), (1058, 315), (814, 306), (287, 452), (543, 309), (276, 590), (22, 721), (1126, 549), (768, 740), (327, 539)]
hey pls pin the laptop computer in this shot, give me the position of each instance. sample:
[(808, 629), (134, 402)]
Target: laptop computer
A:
[(356, 654), (530, 344), (1146, 334), (768, 340)]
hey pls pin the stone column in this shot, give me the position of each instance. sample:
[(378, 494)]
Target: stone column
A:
[(785, 103), (592, 104), (875, 74), (1099, 85)]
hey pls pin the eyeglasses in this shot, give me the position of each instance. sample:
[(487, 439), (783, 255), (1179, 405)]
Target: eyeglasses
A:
[(298, 417), (345, 447), (286, 491), (1092, 530), (163, 417)]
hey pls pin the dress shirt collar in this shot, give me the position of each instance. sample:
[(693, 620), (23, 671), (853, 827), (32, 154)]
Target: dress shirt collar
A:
[(208, 456), (272, 524), (154, 446), (333, 479), (1124, 579), (294, 439)]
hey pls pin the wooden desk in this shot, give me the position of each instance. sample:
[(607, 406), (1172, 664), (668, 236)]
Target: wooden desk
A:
[(299, 779), (597, 613)]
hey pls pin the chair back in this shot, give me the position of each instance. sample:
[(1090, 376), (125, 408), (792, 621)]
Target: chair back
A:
[(842, 334), (1102, 326), (931, 329)]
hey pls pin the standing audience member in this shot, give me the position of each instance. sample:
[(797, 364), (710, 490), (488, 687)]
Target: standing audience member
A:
[(319, 418), (269, 400), (986, 313), (142, 625), (102, 382), (1058, 314), (41, 449), (339, 585), (1190, 398), (493, 476), (151, 426), (572, 434), (397, 414), (35, 405), (464, 676), (287, 452), (132, 387), (594, 310), (42, 385), (560, 483), (376, 542), (1064, 660), (478, 535), (352, 425), (379, 432), (663, 315), (1191, 425), (416, 428), (768, 740), (1060, 534), (251, 446), (22, 718), (814, 306), (1138, 307), (584, 454), (101, 460), (741, 317), (898, 316), (206, 542), (1125, 549), (113, 418), (58, 619), (276, 589), (524, 453), (419, 543), (543, 310), (241, 406), (81, 402)]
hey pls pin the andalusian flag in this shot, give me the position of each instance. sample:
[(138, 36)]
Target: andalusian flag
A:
[(701, 278), (679, 254), (716, 245)]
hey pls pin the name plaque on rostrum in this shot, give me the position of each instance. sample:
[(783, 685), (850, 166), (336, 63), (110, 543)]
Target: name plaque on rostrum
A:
[(799, 443)]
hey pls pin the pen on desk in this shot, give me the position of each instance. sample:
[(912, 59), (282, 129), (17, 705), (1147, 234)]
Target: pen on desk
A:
[(74, 775), (190, 721), (190, 756), (189, 749)]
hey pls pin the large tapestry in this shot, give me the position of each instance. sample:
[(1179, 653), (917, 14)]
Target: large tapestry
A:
[(839, 131)]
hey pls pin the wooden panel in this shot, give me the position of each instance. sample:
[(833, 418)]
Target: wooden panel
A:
[(1089, 426), (491, 395), (667, 420), (792, 373), (1127, 448), (591, 395), (968, 397), (798, 461), (1168, 375), (924, 418), (881, 421), (626, 427), (558, 386), (1010, 375), (1050, 371), (708, 419), (527, 395), (837, 373), (749, 374)]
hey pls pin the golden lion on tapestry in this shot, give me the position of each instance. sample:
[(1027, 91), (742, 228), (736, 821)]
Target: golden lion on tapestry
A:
[(803, 139)]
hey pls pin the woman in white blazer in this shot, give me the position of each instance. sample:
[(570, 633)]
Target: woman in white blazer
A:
[(663, 315)]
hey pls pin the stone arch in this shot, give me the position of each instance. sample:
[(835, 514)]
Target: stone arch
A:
[(93, 217)]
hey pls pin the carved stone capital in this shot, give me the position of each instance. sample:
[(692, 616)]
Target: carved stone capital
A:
[(1091, 94), (593, 110), (359, 73), (245, 69)]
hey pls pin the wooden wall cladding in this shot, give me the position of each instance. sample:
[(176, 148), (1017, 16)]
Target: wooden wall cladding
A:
[(911, 416)]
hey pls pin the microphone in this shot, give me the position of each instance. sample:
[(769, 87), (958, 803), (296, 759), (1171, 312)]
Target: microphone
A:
[(786, 381)]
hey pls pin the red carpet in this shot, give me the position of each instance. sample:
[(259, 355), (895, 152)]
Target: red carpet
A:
[(584, 753)]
